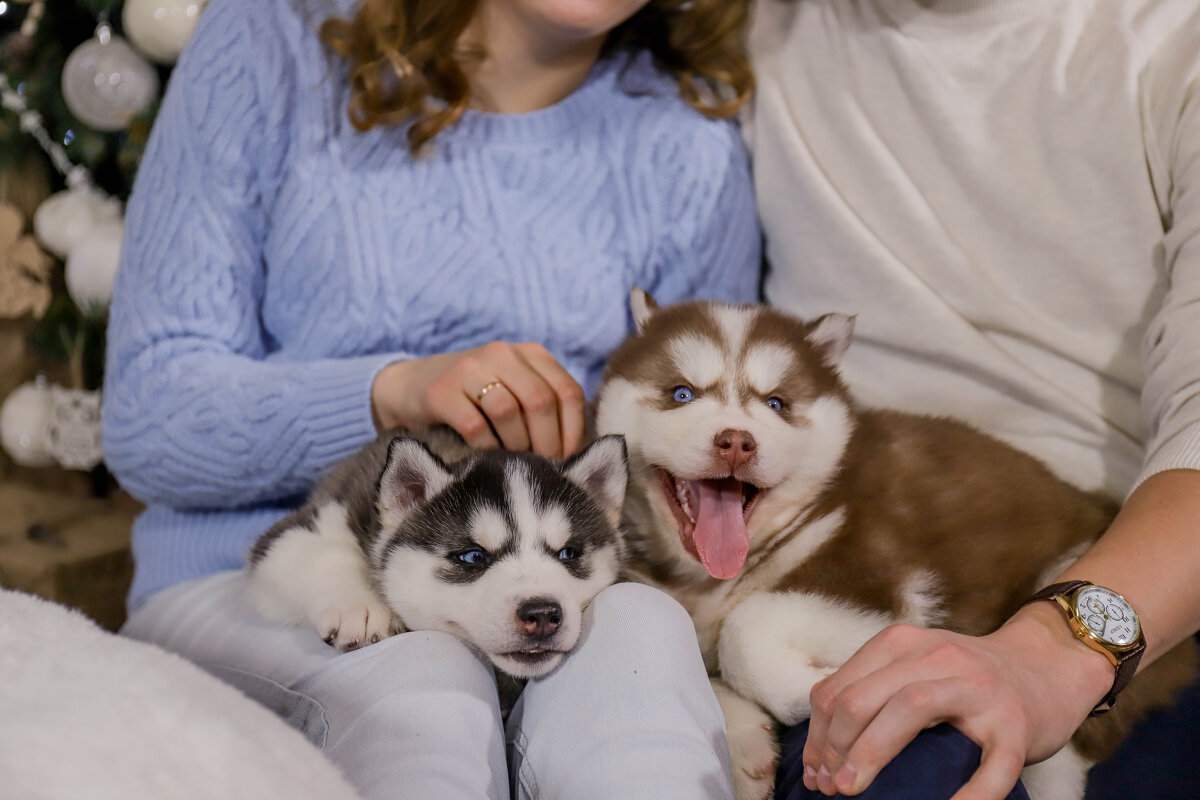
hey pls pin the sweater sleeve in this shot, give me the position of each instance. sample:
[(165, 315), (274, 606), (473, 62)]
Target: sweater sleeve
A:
[(714, 250), (1171, 394), (196, 412)]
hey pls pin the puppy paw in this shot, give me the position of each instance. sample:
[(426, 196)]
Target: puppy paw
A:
[(792, 707), (351, 626), (754, 751), (753, 744)]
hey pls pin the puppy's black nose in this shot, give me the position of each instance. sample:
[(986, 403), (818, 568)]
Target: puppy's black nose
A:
[(539, 617)]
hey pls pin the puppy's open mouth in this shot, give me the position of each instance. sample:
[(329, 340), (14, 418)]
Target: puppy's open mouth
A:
[(531, 654), (712, 515), (533, 660)]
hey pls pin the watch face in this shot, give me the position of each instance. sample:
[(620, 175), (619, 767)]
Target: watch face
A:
[(1107, 615)]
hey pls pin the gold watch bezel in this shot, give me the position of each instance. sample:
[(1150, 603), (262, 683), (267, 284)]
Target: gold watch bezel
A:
[(1113, 652)]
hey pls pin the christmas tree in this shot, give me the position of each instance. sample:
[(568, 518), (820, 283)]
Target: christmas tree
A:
[(80, 83)]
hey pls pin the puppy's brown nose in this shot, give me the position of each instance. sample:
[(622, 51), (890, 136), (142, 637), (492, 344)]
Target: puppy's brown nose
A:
[(735, 447), (539, 617)]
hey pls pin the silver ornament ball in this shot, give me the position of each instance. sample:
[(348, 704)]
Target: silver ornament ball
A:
[(105, 83)]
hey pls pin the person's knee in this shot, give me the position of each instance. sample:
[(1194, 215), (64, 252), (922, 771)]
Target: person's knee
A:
[(415, 662), (644, 607), (430, 653), (933, 766), (641, 623), (435, 646)]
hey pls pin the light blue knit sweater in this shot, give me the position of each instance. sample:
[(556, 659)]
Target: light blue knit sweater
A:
[(275, 260)]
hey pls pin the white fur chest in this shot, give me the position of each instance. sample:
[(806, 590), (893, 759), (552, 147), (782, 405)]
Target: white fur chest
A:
[(709, 609)]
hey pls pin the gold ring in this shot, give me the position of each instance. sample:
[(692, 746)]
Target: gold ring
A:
[(487, 387)]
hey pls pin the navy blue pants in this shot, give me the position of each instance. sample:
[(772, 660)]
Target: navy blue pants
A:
[(1159, 761)]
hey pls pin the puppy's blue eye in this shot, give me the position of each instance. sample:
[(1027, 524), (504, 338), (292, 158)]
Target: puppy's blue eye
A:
[(775, 404), (474, 558), (683, 394), (568, 554)]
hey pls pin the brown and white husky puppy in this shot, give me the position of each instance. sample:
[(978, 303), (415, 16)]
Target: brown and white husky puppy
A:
[(794, 525)]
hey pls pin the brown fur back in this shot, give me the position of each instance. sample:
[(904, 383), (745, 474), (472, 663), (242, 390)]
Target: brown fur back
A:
[(982, 517)]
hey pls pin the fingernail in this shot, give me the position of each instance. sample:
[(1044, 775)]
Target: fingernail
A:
[(845, 778), (810, 778), (825, 780)]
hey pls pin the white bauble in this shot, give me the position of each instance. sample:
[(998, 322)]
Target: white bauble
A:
[(105, 82), (91, 267), (24, 422), (161, 28), (64, 217)]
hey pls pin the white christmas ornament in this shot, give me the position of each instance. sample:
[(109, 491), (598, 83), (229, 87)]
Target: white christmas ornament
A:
[(92, 264), (24, 422), (61, 221), (73, 430), (105, 82), (161, 28)]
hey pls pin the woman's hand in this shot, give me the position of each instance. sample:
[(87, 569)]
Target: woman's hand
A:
[(1018, 693), (515, 396)]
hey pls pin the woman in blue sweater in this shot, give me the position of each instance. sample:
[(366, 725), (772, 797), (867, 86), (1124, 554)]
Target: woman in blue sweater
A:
[(319, 248)]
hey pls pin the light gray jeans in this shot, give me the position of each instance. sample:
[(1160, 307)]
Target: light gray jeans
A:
[(628, 715)]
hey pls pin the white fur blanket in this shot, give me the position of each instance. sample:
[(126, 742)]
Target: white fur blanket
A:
[(88, 715)]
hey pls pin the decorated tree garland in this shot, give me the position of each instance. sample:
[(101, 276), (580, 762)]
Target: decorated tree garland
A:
[(78, 94)]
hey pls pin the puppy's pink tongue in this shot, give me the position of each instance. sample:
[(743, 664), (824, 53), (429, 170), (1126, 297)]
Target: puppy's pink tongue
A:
[(720, 534)]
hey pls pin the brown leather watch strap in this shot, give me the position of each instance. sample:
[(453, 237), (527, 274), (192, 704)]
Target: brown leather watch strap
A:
[(1053, 590)]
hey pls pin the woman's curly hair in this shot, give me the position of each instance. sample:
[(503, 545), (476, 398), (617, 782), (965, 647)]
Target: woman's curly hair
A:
[(403, 54)]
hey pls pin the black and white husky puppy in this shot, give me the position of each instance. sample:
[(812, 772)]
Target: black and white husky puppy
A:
[(419, 532)]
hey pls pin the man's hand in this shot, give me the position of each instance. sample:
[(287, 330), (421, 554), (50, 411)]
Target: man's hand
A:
[(1018, 693)]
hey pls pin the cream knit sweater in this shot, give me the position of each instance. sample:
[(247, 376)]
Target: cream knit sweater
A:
[(1007, 193)]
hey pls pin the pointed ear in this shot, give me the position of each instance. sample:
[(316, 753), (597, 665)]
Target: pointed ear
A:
[(411, 475), (831, 336), (602, 470), (643, 307)]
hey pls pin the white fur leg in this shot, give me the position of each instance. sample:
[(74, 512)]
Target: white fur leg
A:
[(775, 646), (1062, 776), (753, 744), (319, 578)]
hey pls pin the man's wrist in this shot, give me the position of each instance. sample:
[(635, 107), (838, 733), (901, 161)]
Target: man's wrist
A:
[(1041, 629)]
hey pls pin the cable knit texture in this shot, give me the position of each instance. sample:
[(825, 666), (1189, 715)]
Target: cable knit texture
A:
[(275, 260)]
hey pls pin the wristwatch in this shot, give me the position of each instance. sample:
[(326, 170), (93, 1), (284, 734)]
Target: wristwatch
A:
[(1105, 622)]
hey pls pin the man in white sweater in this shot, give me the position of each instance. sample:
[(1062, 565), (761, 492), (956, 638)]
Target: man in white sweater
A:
[(1007, 194)]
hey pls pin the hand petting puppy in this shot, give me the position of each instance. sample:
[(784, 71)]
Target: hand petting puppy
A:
[(514, 396)]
